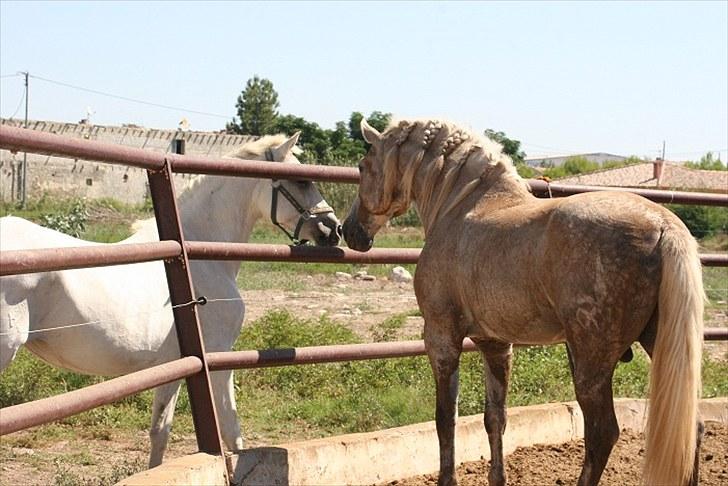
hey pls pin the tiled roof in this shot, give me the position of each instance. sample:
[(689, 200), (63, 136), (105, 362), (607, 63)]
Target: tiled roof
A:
[(642, 175)]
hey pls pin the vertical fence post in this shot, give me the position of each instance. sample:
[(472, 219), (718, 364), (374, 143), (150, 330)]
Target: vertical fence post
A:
[(187, 323)]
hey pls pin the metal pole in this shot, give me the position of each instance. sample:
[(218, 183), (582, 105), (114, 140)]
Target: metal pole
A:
[(186, 320), (24, 186)]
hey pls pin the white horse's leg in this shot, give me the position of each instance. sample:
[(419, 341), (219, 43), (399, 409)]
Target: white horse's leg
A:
[(14, 326), (165, 399), (227, 412)]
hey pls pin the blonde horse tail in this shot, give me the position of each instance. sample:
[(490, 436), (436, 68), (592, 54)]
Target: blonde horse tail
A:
[(675, 381)]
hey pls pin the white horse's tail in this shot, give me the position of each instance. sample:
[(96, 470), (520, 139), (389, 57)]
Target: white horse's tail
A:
[(675, 381)]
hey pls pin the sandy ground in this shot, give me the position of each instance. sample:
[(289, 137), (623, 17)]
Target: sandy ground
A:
[(561, 464)]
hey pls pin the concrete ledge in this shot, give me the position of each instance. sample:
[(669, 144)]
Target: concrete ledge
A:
[(412, 450), (198, 469), (391, 454)]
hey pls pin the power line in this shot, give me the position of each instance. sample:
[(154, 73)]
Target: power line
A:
[(20, 103), (9, 75), (125, 98)]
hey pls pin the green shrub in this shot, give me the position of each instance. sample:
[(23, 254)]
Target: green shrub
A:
[(72, 222), (702, 221)]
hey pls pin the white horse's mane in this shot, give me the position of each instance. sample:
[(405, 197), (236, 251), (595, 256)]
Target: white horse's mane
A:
[(254, 150)]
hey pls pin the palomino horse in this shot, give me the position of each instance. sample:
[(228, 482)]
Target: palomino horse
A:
[(131, 324), (597, 271)]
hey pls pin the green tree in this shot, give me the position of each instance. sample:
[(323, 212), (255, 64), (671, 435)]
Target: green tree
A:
[(707, 162), (257, 109), (355, 125), (702, 221), (511, 146), (377, 119), (314, 140), (572, 166)]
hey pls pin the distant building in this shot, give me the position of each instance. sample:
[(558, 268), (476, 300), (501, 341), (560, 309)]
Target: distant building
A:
[(558, 160), (93, 180), (659, 174)]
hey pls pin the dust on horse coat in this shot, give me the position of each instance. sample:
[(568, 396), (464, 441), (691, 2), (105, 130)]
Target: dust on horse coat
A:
[(128, 306), (597, 271)]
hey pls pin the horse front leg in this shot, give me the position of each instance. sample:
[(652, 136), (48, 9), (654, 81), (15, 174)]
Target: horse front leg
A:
[(227, 412), (443, 350), (497, 357), (165, 399), (592, 372)]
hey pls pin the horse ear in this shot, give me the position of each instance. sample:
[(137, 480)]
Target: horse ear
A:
[(370, 134), (283, 149)]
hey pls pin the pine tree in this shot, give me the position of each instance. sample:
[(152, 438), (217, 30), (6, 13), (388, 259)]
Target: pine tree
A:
[(257, 108)]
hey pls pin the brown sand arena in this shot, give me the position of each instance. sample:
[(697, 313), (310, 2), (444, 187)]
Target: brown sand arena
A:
[(561, 464)]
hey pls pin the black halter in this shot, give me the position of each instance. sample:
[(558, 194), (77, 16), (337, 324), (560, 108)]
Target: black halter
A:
[(303, 214)]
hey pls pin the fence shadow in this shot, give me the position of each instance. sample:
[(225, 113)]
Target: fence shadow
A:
[(261, 466)]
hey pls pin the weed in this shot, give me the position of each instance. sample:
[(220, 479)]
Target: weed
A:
[(66, 476)]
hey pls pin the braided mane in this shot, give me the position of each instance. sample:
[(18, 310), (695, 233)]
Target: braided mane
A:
[(444, 153)]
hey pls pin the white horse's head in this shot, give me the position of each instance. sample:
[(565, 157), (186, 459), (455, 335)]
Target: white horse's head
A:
[(295, 206)]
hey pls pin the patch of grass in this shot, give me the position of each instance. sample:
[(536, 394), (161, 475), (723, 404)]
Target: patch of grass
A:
[(100, 220), (368, 395), (387, 329), (66, 474), (300, 402)]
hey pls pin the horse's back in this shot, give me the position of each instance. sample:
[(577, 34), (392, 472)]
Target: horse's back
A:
[(20, 234), (535, 267)]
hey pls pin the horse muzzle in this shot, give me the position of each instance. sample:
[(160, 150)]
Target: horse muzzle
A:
[(356, 236), (327, 230)]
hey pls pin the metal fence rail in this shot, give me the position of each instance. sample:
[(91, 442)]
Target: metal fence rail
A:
[(30, 414), (20, 139), (16, 262), (175, 251)]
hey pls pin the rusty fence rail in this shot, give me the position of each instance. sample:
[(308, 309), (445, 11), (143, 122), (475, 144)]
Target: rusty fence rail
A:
[(20, 139), (15, 262), (175, 251)]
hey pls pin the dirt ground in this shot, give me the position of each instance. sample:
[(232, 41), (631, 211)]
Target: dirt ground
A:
[(358, 304), (27, 460), (561, 464)]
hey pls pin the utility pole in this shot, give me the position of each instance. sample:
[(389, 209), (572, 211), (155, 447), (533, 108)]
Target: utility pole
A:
[(24, 186), (663, 150)]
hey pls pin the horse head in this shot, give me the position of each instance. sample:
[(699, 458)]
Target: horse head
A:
[(296, 206), (380, 193)]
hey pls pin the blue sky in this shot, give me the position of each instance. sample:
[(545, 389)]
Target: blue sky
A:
[(562, 77)]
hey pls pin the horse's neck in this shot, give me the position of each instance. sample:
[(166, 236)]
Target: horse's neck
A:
[(457, 190), (219, 208), (213, 208)]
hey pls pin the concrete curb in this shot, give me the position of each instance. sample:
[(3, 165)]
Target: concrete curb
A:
[(386, 455), (199, 469)]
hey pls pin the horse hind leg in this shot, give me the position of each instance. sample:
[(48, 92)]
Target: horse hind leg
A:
[(165, 399), (497, 359)]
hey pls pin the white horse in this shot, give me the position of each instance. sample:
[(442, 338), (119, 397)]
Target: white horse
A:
[(132, 325)]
